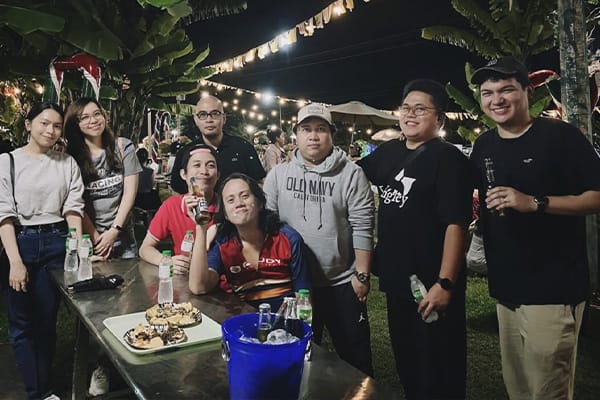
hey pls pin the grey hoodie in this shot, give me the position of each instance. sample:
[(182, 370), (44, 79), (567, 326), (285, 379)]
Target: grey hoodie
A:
[(331, 205)]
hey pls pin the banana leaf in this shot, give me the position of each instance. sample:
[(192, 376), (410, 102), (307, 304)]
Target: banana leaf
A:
[(160, 3), (175, 89), (156, 103), (157, 57), (24, 21), (108, 92)]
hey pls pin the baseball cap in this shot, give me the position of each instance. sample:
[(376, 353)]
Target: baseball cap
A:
[(314, 110), (505, 66)]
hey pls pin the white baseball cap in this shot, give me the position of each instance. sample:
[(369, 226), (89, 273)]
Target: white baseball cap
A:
[(315, 110)]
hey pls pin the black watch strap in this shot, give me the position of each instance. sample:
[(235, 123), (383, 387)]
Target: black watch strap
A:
[(541, 202), (445, 283)]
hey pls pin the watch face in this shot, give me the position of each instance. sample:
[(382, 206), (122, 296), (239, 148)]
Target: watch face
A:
[(446, 283), (361, 276)]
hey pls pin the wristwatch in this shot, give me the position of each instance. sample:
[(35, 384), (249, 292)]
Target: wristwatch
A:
[(363, 277), (117, 227), (541, 202), (445, 283)]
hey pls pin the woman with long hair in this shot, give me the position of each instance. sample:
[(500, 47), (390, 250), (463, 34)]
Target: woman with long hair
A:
[(262, 258), (109, 168), (47, 201)]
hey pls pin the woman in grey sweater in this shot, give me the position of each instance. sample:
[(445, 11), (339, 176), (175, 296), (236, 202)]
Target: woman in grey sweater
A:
[(47, 192)]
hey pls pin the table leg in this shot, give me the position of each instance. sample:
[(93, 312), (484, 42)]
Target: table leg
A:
[(80, 358)]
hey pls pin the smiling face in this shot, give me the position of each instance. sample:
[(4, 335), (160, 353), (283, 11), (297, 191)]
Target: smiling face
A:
[(241, 206), (45, 129), (506, 102), (92, 122), (211, 127), (314, 139), (419, 128), (203, 167)]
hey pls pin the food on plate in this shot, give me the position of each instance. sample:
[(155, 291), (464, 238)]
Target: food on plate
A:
[(175, 315), (148, 337)]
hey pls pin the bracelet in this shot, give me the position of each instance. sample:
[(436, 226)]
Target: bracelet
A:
[(117, 227)]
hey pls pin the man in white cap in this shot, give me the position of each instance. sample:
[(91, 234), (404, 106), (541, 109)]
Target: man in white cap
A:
[(329, 201)]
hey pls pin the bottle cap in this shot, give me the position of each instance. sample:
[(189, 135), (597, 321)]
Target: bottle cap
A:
[(303, 292), (189, 232), (72, 229), (166, 253), (85, 236)]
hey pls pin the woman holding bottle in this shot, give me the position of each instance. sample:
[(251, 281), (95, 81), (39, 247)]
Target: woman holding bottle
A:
[(47, 200), (110, 169), (262, 258), (176, 215)]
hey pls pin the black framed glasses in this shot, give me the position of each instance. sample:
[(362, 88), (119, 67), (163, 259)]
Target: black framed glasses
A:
[(417, 110), (213, 114)]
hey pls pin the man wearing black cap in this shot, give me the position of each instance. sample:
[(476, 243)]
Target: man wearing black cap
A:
[(539, 178), (234, 153)]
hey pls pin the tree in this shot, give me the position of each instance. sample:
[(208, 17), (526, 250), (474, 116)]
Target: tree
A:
[(144, 51), (507, 29)]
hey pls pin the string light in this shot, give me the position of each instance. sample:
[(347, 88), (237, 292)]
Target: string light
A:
[(284, 39)]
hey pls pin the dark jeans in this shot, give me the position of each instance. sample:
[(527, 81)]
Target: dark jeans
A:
[(431, 359), (32, 314), (347, 322)]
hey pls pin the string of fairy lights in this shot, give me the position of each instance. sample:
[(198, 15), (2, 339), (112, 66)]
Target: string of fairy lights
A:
[(306, 28)]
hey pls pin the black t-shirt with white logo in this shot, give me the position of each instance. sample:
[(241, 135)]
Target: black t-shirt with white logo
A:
[(416, 205)]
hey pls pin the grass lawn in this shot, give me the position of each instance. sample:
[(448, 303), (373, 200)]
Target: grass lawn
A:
[(484, 380)]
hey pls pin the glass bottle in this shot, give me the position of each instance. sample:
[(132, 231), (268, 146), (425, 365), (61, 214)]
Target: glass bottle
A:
[(264, 322)]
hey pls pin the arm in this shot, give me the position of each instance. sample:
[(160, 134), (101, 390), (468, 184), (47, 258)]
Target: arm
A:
[(18, 276), (74, 221), (202, 279), (270, 189), (453, 253), (585, 203), (298, 264), (149, 251), (363, 264)]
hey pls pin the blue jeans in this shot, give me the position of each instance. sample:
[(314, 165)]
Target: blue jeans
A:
[(32, 314)]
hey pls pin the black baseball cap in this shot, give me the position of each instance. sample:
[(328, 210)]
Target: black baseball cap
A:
[(508, 66), (181, 160)]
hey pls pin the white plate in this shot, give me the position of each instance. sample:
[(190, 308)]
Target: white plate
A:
[(208, 330)]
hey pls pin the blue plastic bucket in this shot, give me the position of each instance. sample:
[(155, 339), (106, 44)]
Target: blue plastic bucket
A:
[(260, 371)]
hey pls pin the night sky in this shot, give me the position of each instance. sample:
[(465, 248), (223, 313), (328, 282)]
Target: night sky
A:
[(366, 55)]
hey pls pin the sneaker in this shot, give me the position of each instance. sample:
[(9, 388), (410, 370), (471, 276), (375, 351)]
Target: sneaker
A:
[(99, 382), (52, 397)]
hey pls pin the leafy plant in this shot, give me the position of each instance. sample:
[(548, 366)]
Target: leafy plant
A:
[(507, 29)]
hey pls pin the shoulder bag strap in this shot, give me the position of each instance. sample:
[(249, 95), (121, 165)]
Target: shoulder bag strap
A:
[(411, 157), (12, 179)]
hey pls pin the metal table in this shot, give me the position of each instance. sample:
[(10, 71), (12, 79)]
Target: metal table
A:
[(194, 372)]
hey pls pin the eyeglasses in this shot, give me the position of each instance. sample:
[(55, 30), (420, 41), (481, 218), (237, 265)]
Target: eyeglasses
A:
[(416, 110), (213, 114), (87, 118)]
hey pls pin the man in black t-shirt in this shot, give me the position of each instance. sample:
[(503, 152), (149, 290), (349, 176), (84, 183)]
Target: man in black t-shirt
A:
[(537, 179), (234, 153), (425, 195)]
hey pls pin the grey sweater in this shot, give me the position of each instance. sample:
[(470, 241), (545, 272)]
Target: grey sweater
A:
[(331, 205), (46, 187)]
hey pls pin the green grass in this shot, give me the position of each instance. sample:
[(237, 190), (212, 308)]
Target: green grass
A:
[(484, 379)]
